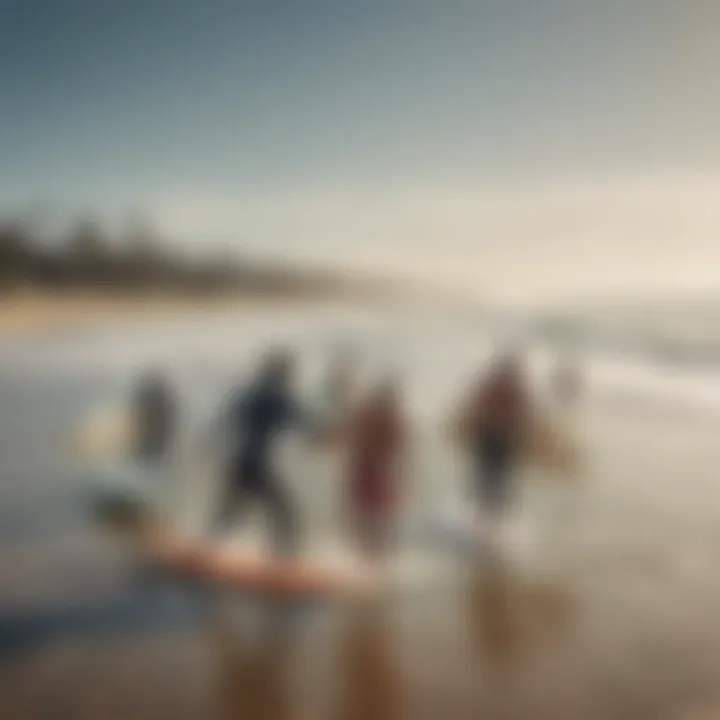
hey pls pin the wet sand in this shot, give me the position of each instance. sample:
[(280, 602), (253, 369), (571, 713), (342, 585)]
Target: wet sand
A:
[(613, 620)]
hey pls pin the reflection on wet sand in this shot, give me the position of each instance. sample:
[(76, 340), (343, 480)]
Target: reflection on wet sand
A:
[(255, 669), (370, 682), (254, 674), (509, 617), (708, 713)]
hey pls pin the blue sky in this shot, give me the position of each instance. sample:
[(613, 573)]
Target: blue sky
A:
[(279, 126)]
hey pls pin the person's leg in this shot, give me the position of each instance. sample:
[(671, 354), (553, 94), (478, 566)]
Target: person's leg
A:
[(382, 535), (494, 480), (367, 506), (383, 517), (283, 513), (234, 497), (503, 466), (365, 533), (354, 516)]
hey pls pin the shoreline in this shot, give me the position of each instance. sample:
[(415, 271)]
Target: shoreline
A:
[(31, 312), (605, 617)]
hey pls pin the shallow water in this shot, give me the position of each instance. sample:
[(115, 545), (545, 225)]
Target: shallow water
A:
[(609, 616)]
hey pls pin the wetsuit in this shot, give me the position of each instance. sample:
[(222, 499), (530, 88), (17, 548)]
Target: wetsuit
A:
[(258, 416), (497, 443), (495, 455), (373, 486)]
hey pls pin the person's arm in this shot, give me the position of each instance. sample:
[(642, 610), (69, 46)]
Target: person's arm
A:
[(461, 419), (231, 414), (298, 415)]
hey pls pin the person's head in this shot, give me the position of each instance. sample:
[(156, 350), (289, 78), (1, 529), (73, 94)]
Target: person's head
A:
[(506, 371), (153, 378), (278, 366), (508, 365)]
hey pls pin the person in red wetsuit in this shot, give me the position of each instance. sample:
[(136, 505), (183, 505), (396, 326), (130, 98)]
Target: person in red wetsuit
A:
[(375, 438)]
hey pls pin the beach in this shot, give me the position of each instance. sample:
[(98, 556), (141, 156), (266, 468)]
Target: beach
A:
[(31, 311), (607, 615)]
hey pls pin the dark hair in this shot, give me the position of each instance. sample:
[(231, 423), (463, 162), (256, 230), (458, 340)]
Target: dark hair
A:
[(277, 363), (152, 377)]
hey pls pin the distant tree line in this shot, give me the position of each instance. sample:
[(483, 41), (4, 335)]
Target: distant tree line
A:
[(85, 257)]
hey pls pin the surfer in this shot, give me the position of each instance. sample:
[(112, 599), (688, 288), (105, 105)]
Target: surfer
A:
[(375, 438), (491, 425), (258, 414), (155, 414)]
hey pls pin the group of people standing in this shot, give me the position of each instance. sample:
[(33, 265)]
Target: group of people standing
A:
[(371, 431)]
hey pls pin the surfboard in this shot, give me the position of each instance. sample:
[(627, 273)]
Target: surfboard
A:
[(203, 562), (554, 451), (107, 430), (548, 447)]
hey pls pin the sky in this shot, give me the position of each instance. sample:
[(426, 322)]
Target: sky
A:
[(511, 148)]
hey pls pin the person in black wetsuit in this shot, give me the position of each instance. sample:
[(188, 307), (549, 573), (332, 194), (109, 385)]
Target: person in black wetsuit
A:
[(492, 426), (155, 414), (257, 416)]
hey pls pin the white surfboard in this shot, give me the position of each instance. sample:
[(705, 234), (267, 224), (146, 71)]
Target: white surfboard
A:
[(105, 431)]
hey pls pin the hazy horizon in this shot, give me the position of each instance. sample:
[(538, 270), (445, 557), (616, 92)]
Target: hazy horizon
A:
[(505, 150)]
